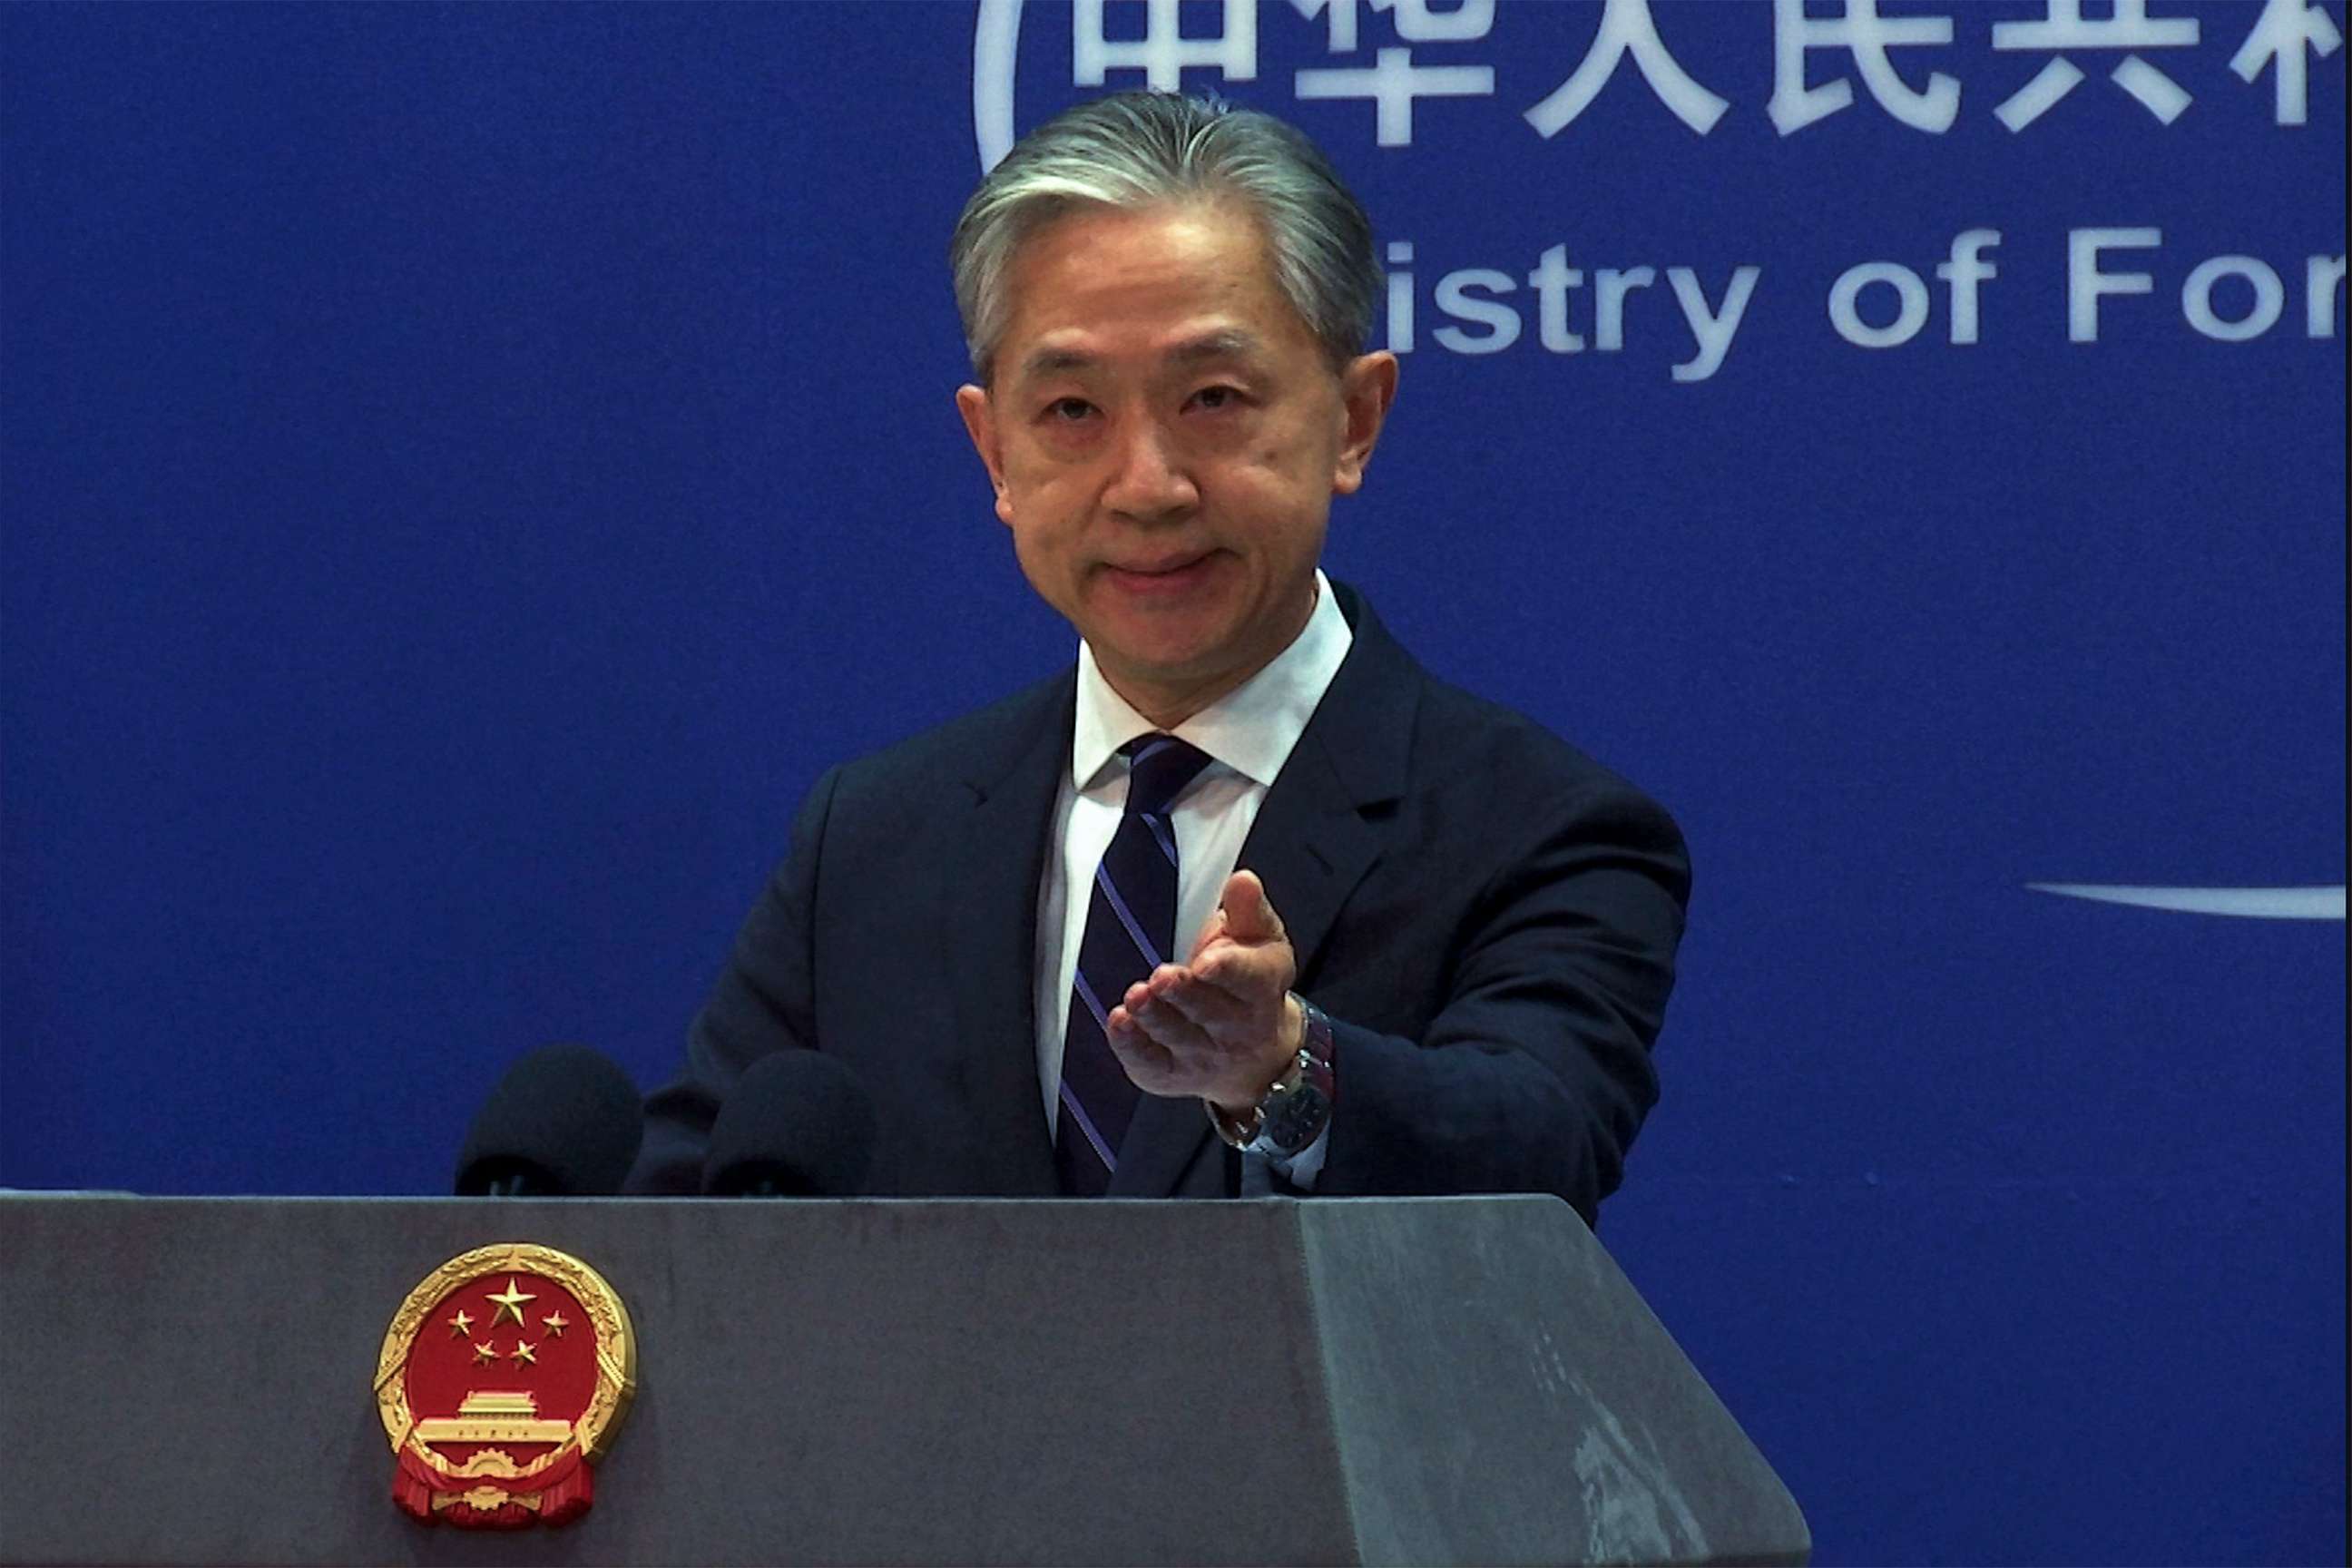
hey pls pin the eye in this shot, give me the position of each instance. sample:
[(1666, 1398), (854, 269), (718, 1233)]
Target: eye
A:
[(1215, 398), (1068, 410)]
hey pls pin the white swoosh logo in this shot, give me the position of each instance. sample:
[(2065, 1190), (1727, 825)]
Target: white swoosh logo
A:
[(2245, 904), (995, 42)]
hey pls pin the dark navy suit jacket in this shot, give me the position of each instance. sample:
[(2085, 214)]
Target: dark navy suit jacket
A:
[(1488, 917)]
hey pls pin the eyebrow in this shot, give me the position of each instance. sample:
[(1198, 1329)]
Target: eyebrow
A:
[(1225, 343), (1231, 343)]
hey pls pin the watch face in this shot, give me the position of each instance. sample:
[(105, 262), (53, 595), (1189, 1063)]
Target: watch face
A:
[(1299, 1107), (1294, 1118)]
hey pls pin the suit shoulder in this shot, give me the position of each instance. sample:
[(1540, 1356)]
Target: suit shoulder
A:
[(1461, 749), (975, 745), (1481, 746)]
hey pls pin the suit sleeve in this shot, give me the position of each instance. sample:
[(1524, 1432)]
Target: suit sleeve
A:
[(1534, 1073), (763, 1003)]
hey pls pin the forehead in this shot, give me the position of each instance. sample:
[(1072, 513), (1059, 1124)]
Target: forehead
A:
[(1189, 278)]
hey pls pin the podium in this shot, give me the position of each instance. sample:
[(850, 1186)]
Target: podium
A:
[(1424, 1380)]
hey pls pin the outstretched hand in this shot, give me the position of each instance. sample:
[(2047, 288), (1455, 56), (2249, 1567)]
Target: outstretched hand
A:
[(1222, 1025)]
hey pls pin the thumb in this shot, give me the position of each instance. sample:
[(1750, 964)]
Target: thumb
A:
[(1249, 915)]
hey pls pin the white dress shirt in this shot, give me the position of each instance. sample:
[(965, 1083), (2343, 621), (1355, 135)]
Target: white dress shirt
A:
[(1248, 734)]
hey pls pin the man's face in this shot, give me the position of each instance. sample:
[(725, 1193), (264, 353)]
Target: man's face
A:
[(1165, 436)]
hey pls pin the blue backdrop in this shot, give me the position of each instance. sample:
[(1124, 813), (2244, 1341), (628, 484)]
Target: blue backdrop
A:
[(467, 470)]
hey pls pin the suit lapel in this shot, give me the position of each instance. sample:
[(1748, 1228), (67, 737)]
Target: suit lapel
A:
[(995, 856), (1310, 846)]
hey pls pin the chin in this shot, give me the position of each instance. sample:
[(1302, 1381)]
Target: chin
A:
[(1173, 655)]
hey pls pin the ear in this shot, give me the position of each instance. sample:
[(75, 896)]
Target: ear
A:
[(1367, 390), (980, 424)]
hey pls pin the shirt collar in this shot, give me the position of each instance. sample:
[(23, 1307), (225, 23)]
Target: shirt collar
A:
[(1252, 729)]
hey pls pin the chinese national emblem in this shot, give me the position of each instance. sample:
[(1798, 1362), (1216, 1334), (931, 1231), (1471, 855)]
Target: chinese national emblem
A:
[(504, 1377)]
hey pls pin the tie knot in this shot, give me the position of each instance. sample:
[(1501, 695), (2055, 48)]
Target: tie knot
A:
[(1159, 767)]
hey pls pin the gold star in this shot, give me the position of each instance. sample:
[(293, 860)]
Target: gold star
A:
[(459, 1324), (511, 1304), (485, 1351), (556, 1323), (525, 1350)]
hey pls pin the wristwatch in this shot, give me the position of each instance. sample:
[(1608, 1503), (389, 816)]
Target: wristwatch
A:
[(1299, 1107)]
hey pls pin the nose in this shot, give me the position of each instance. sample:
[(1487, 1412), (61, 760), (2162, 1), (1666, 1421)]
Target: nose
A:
[(1151, 481)]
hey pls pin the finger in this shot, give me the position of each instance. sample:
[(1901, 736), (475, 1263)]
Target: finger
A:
[(1248, 913), (1146, 1061), (1255, 976), (1169, 1026), (1173, 980), (1212, 930), (1212, 1009), (1241, 973)]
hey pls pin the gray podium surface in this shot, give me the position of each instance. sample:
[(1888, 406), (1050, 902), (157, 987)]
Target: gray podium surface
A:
[(187, 1381)]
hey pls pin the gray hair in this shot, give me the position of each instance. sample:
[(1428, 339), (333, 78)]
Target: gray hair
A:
[(1136, 148)]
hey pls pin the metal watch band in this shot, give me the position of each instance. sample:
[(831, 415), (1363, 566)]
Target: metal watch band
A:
[(1299, 1107)]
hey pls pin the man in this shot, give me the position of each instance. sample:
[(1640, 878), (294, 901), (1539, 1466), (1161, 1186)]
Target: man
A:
[(1246, 902)]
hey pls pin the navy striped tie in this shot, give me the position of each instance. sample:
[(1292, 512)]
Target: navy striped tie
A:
[(1130, 931)]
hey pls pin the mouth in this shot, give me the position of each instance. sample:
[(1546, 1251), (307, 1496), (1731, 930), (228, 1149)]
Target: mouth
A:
[(1165, 574)]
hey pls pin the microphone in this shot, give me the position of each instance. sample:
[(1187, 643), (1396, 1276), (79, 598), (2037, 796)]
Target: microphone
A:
[(798, 1125), (565, 1121)]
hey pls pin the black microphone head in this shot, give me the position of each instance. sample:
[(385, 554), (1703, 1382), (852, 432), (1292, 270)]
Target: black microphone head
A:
[(565, 1121), (796, 1125)]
